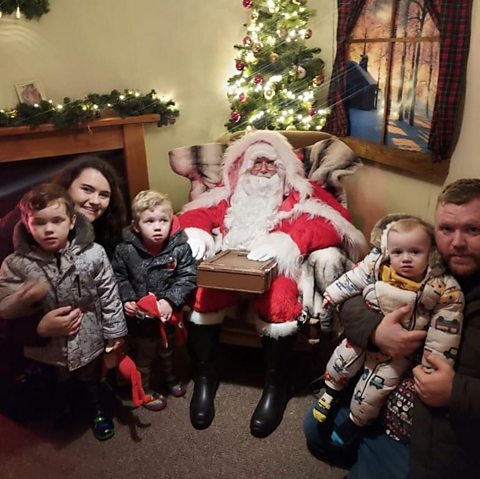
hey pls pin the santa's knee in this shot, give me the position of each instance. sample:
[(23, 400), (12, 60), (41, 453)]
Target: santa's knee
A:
[(280, 303)]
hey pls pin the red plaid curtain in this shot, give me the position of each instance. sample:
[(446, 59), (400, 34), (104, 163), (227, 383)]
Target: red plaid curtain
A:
[(348, 13), (452, 18)]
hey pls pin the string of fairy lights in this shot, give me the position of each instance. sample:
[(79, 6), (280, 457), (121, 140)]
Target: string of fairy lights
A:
[(72, 113), (28, 8)]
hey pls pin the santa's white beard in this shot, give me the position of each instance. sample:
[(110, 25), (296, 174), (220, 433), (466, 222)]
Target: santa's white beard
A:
[(252, 211)]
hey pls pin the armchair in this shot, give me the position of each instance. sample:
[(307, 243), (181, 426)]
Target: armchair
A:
[(326, 159)]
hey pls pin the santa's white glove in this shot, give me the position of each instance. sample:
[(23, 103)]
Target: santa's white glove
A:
[(198, 247), (261, 253)]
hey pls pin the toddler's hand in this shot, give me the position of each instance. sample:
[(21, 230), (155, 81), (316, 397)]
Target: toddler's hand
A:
[(113, 344), (131, 308), (165, 310)]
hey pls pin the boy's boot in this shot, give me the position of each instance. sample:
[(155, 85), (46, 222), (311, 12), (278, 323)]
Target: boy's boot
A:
[(269, 411), (203, 342), (175, 387)]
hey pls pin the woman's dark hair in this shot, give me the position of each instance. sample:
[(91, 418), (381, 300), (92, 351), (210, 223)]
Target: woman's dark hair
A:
[(108, 228)]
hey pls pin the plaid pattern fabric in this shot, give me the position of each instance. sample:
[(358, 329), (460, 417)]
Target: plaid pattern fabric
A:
[(453, 21), (337, 122), (452, 18)]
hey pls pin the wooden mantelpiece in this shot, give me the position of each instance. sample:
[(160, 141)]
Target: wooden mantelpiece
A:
[(126, 134)]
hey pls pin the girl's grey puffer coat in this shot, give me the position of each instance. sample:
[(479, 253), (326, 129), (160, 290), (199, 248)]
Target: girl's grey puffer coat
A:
[(81, 276)]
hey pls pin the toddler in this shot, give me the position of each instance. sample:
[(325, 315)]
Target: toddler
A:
[(55, 247), (402, 268), (154, 258)]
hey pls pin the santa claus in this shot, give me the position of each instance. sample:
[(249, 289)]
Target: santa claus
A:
[(267, 207)]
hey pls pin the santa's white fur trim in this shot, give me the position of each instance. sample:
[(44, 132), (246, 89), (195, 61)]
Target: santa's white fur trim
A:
[(205, 319), (287, 254), (202, 235), (208, 199), (274, 330), (353, 240), (294, 173)]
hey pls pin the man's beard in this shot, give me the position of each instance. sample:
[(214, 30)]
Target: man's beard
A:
[(254, 205)]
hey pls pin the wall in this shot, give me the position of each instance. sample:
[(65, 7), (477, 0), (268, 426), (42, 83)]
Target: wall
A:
[(184, 50)]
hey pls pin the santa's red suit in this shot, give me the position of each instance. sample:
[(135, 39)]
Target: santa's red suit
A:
[(285, 217), (267, 207)]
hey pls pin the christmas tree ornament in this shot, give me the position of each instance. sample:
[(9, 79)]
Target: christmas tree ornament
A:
[(312, 111), (235, 116), (258, 79), (283, 32), (242, 98), (256, 48), (301, 72), (293, 71), (274, 57), (247, 3), (268, 93), (308, 34), (239, 65), (247, 41), (318, 80)]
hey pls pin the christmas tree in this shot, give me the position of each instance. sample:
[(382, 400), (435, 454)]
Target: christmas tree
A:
[(278, 76)]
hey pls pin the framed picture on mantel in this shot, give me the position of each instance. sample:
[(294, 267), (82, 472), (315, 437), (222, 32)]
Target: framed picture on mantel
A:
[(30, 92)]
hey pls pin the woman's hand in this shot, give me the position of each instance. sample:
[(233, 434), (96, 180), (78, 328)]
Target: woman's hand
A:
[(64, 321)]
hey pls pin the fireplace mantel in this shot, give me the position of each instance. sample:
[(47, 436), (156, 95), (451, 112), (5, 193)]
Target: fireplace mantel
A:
[(126, 134)]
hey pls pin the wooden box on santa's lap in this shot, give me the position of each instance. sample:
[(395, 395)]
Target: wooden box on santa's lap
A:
[(231, 270)]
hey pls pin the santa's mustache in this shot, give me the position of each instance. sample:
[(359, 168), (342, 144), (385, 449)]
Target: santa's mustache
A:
[(262, 185)]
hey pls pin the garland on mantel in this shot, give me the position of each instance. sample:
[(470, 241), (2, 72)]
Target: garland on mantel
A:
[(29, 8), (72, 113)]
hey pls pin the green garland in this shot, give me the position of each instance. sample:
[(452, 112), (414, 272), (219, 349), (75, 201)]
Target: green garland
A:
[(29, 8), (74, 112)]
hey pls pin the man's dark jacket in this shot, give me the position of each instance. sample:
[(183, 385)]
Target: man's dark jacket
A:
[(445, 441)]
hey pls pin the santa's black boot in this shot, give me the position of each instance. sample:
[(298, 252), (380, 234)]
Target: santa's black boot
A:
[(269, 411), (202, 346)]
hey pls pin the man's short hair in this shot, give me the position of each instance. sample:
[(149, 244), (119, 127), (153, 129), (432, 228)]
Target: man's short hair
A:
[(39, 197), (460, 192), (148, 200)]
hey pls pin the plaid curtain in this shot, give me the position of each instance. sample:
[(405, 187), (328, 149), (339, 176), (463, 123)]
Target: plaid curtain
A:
[(348, 13), (452, 19)]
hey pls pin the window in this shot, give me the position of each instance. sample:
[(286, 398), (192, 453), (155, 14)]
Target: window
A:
[(398, 78)]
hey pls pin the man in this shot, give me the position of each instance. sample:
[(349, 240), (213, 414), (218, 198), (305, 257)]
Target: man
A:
[(267, 207), (446, 412)]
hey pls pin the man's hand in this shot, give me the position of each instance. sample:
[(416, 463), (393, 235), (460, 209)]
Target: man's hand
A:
[(198, 247), (261, 253), (63, 321), (434, 388), (113, 344), (130, 308), (393, 339)]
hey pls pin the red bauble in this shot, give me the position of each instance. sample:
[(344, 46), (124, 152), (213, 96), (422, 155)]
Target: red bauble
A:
[(235, 116), (242, 97), (318, 80), (247, 3), (239, 65), (258, 79), (246, 41), (312, 111)]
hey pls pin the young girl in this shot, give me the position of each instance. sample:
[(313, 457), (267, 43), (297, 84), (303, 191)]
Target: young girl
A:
[(55, 248)]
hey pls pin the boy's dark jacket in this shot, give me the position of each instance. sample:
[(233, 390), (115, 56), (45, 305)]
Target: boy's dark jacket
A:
[(171, 274)]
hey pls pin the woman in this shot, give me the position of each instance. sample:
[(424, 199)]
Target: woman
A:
[(94, 187)]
